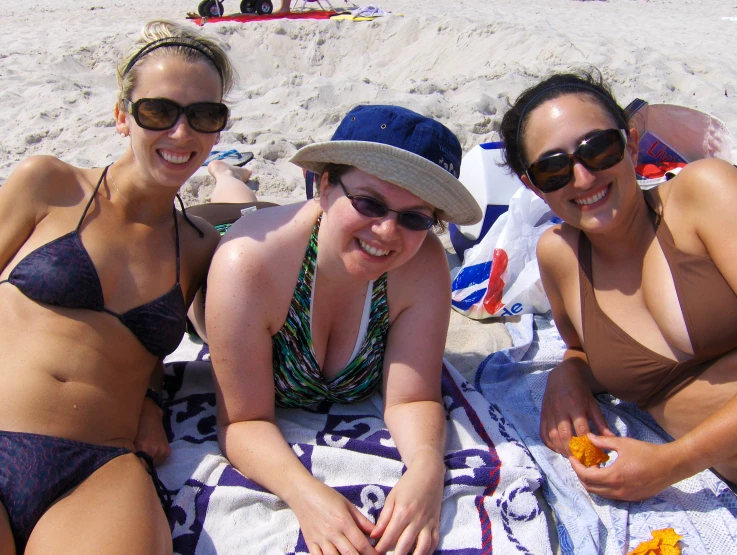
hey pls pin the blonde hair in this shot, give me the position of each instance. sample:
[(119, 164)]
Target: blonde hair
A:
[(190, 45)]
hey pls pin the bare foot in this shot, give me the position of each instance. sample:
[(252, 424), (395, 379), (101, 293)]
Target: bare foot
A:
[(284, 8), (219, 169)]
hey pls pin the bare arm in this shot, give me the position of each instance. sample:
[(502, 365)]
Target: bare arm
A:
[(413, 408), (702, 205), (568, 404), (24, 202), (709, 189), (197, 252), (151, 437)]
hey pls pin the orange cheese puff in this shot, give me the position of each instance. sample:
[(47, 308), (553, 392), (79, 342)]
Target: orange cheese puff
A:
[(586, 452), (663, 542), (667, 535)]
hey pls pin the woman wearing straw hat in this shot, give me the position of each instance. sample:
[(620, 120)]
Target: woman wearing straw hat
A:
[(333, 299)]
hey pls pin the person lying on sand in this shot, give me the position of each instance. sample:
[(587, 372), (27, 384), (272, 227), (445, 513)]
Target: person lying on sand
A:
[(334, 298), (97, 269), (642, 284)]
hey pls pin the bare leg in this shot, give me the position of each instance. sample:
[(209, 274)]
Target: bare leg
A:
[(114, 511), (284, 6), (7, 543), (230, 183)]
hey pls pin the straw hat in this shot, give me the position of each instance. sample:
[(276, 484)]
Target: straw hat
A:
[(402, 147)]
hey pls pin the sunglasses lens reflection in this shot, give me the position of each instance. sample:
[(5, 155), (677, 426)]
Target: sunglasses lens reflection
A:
[(159, 114), (207, 117), (372, 208), (369, 207), (598, 152)]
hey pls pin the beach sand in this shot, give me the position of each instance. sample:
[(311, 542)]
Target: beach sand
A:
[(461, 62)]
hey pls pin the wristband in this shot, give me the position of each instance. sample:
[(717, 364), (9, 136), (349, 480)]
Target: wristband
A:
[(155, 396)]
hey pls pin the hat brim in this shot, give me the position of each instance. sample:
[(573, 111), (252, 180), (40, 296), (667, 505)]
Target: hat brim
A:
[(414, 173)]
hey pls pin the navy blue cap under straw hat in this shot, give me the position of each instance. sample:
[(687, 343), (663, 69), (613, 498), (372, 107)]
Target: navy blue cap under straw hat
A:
[(402, 147)]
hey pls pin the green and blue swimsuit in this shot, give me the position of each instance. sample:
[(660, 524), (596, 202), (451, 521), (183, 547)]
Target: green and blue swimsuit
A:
[(298, 380)]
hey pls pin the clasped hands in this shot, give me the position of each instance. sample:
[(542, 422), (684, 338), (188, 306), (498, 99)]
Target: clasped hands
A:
[(409, 521)]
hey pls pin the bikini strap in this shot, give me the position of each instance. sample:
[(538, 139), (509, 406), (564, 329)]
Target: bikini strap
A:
[(655, 216), (161, 491), (584, 257), (585, 277), (94, 194), (190, 222), (176, 237)]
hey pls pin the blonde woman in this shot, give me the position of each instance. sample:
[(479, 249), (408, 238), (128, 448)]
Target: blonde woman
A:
[(97, 269)]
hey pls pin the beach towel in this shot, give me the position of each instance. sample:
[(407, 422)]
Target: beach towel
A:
[(251, 18), (491, 501), (701, 508)]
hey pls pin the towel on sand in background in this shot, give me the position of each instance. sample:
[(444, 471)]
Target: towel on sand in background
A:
[(701, 508), (489, 500), (250, 18)]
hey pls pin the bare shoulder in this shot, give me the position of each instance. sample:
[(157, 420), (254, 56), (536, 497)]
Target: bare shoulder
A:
[(708, 184), (259, 236), (424, 277), (557, 252), (266, 246), (46, 180)]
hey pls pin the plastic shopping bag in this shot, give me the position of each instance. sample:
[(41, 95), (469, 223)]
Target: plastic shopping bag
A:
[(499, 275)]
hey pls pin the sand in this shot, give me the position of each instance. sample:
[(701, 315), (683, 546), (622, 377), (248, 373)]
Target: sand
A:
[(461, 62)]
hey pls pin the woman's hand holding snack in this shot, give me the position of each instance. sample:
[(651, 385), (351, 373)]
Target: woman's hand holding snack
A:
[(568, 406), (641, 469)]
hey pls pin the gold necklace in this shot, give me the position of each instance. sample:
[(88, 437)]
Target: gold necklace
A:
[(125, 200)]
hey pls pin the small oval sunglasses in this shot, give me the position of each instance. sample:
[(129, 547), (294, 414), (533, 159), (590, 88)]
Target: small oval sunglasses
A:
[(159, 114), (372, 208), (599, 151)]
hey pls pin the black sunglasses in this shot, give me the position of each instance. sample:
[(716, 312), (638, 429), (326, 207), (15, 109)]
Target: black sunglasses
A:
[(159, 114), (599, 151), (372, 208)]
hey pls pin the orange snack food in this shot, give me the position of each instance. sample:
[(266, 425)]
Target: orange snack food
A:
[(664, 542), (586, 452)]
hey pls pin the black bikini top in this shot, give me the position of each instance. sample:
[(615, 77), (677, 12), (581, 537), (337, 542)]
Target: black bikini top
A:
[(61, 273)]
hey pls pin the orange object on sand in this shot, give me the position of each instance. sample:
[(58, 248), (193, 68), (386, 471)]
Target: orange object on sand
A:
[(664, 542), (586, 452)]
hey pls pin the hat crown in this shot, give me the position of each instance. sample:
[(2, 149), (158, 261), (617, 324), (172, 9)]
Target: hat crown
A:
[(404, 129)]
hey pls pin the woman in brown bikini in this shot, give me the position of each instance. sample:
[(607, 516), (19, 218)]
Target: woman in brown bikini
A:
[(642, 286)]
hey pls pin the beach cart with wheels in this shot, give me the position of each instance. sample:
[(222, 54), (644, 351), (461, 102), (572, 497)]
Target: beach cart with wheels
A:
[(214, 8)]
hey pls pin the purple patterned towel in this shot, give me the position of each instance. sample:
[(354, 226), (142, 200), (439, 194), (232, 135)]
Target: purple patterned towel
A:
[(490, 502)]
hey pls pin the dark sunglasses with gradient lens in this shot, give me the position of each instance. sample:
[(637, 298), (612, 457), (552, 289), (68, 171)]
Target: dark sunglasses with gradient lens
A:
[(159, 114), (372, 208), (599, 151)]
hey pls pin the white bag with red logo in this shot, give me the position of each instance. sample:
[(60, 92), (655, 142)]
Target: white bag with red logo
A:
[(499, 275)]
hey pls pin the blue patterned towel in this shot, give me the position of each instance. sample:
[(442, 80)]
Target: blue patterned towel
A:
[(701, 508)]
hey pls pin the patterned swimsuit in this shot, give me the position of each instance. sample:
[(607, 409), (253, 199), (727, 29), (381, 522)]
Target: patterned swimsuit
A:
[(297, 376)]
